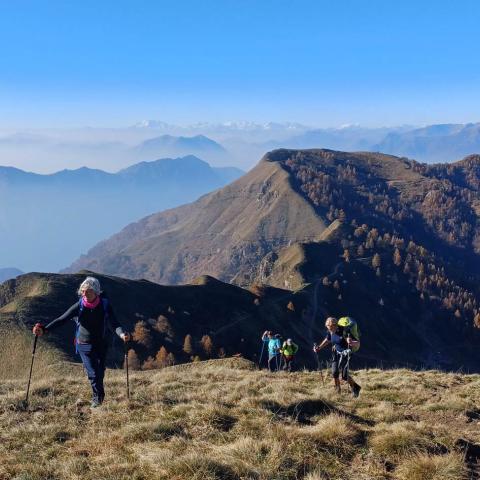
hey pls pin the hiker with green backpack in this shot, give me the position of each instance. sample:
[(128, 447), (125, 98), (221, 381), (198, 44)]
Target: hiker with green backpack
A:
[(288, 351), (344, 336)]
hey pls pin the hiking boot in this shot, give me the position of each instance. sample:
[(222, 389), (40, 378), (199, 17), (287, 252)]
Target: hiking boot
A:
[(96, 402), (356, 390)]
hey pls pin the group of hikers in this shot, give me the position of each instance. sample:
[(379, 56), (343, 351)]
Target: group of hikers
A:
[(280, 356), (342, 336), (94, 316)]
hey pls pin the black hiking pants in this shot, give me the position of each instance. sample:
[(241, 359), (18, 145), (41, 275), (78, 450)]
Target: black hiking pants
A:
[(340, 365), (288, 362)]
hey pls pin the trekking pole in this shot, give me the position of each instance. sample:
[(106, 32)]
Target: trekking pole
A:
[(277, 361), (347, 366), (316, 356), (319, 365), (349, 351), (261, 355), (321, 374), (126, 368), (31, 369)]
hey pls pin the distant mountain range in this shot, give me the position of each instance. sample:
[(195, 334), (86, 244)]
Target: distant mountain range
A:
[(224, 127), (228, 143), (347, 138), (109, 149), (48, 220), (431, 144), (435, 143), (8, 273)]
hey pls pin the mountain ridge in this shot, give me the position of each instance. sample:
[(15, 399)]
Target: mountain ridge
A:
[(322, 181), (257, 191), (112, 200)]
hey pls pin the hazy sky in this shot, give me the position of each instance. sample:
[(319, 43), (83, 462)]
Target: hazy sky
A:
[(324, 63)]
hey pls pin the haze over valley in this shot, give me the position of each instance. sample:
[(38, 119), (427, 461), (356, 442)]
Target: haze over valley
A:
[(46, 221), (238, 144)]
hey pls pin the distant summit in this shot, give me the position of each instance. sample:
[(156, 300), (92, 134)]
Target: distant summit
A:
[(154, 124), (172, 145), (434, 143)]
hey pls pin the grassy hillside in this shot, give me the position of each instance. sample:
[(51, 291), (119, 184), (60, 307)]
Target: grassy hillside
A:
[(222, 234), (232, 317), (401, 325), (223, 419)]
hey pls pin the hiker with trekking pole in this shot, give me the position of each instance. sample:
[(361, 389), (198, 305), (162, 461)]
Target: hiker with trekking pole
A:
[(274, 345), (319, 363), (288, 350), (93, 316), (343, 335)]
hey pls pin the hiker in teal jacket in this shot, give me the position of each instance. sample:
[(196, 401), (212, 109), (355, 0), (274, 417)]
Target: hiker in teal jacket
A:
[(274, 345)]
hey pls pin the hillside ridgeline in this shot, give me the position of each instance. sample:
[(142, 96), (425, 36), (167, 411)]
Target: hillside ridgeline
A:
[(292, 196)]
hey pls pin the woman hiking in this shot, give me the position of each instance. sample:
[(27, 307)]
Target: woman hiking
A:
[(274, 344), (93, 315), (341, 342)]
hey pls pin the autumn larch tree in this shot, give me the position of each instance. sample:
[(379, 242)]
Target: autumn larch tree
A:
[(133, 361), (207, 345), (188, 345), (149, 364), (142, 335), (161, 357)]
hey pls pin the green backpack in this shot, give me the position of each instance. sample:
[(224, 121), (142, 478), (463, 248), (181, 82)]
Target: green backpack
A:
[(350, 327)]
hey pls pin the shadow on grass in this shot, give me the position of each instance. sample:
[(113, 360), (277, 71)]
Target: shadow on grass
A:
[(303, 411)]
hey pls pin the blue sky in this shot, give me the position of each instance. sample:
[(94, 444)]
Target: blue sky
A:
[(324, 63)]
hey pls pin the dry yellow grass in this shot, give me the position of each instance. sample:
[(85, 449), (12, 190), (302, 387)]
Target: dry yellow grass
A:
[(16, 355), (223, 420), (436, 467)]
